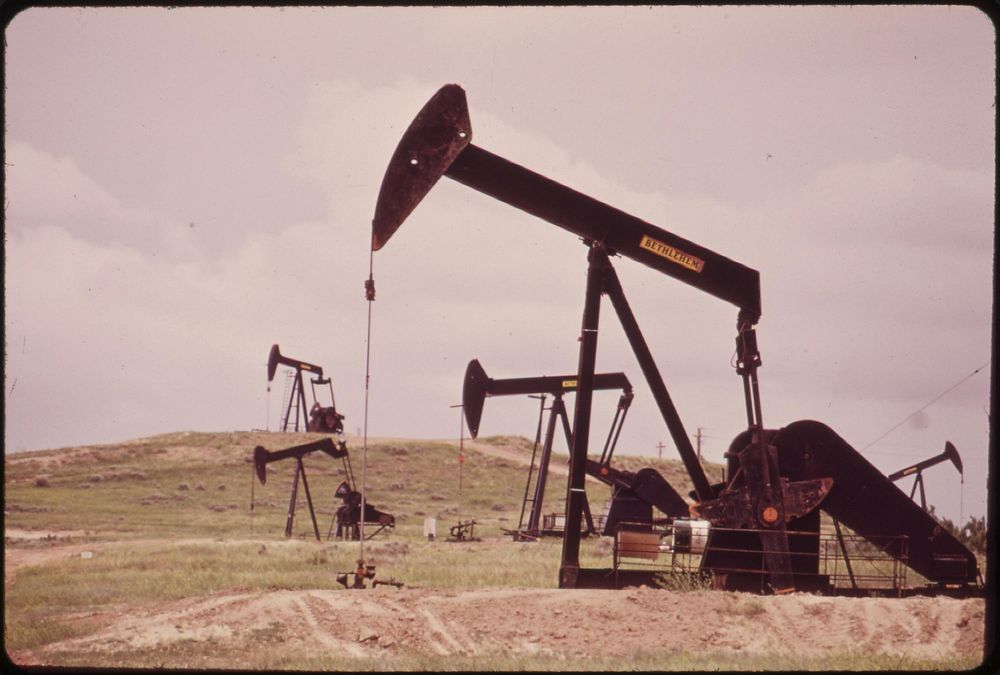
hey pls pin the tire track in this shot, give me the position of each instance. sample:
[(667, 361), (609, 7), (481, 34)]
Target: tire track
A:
[(319, 633), (434, 623), (436, 626)]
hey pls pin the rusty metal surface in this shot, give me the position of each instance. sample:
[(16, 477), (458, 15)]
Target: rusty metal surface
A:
[(867, 502), (863, 499), (435, 137), (783, 473), (325, 420), (437, 143)]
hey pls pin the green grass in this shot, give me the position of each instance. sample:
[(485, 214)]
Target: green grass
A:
[(144, 489), (177, 511), (199, 486)]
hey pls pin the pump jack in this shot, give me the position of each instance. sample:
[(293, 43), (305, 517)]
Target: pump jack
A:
[(262, 457), (478, 385), (950, 454), (633, 494), (347, 518), (319, 418), (775, 476)]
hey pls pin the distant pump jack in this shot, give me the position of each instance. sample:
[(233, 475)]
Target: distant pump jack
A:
[(318, 418)]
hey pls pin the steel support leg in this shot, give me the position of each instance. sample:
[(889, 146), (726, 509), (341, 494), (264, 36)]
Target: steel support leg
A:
[(570, 565), (569, 443), (309, 501), (291, 504), (655, 381)]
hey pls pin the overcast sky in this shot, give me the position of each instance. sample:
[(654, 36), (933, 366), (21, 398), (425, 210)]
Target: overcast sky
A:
[(186, 187)]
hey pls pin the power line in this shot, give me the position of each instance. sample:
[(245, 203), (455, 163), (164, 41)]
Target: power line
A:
[(926, 405)]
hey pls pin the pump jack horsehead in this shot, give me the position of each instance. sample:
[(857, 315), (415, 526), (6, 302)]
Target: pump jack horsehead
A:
[(778, 479)]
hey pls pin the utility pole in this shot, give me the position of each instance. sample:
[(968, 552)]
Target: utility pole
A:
[(697, 437), (659, 449)]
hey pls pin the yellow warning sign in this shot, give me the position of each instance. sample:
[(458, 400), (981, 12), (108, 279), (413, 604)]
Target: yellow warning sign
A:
[(671, 253)]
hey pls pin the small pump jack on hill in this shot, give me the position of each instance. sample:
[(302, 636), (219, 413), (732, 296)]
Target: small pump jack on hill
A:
[(317, 418), (779, 479), (347, 518)]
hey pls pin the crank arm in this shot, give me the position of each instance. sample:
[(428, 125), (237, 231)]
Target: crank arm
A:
[(735, 509)]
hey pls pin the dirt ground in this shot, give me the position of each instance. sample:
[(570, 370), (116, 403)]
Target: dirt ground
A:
[(568, 623)]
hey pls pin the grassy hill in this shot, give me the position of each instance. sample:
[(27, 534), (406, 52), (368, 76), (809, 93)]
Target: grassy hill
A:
[(202, 484), (170, 517), (156, 526)]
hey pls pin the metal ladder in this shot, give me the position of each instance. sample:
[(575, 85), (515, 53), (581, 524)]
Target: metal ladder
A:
[(529, 494), (287, 404)]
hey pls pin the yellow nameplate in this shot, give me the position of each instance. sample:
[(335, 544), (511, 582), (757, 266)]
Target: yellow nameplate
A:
[(672, 254)]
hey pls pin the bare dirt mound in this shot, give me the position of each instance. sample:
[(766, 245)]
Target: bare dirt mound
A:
[(552, 622)]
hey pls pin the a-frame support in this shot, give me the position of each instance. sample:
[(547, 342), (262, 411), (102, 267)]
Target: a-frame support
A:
[(300, 469), (602, 279)]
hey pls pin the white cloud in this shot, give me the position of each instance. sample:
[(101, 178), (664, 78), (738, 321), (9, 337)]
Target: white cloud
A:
[(47, 190)]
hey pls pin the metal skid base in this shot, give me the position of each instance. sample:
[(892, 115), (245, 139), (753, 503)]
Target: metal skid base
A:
[(683, 556)]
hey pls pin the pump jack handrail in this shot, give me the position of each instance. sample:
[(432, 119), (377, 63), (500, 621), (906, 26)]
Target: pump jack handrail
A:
[(438, 143)]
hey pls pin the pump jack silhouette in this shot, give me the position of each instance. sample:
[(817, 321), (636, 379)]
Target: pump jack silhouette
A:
[(778, 478)]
